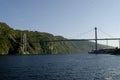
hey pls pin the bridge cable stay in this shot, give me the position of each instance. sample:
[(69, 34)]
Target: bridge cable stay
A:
[(104, 33), (109, 36), (82, 34), (88, 32), (85, 33)]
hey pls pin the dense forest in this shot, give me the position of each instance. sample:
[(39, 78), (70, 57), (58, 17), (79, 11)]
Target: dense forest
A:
[(33, 42)]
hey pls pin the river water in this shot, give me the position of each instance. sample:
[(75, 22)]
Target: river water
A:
[(60, 67)]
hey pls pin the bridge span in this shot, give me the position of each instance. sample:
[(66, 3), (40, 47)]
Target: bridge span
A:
[(82, 39), (95, 39)]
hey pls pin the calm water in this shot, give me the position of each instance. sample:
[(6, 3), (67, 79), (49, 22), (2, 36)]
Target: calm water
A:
[(60, 67)]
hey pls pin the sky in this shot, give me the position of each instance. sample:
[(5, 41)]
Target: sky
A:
[(68, 18)]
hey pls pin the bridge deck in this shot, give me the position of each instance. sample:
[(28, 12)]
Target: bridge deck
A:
[(83, 39)]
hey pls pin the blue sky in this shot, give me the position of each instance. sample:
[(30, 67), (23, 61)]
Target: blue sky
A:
[(69, 18)]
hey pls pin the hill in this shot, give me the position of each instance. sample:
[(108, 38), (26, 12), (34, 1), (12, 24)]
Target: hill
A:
[(88, 46), (33, 42)]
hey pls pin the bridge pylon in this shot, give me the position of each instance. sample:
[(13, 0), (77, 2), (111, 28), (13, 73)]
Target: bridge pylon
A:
[(95, 38)]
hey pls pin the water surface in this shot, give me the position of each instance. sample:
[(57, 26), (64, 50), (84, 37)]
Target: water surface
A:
[(60, 67)]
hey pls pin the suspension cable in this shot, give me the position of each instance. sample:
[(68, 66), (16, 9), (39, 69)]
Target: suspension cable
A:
[(83, 33), (105, 33)]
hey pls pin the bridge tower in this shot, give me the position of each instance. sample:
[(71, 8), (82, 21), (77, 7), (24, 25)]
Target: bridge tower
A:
[(95, 38), (119, 43), (24, 43)]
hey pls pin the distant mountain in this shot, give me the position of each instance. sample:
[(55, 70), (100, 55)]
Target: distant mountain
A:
[(87, 46), (33, 42)]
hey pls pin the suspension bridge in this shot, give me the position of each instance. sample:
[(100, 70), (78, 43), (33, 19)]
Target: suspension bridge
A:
[(95, 39)]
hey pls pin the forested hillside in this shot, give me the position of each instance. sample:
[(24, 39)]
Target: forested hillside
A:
[(12, 41)]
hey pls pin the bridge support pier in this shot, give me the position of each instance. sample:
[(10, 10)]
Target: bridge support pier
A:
[(95, 38), (119, 43)]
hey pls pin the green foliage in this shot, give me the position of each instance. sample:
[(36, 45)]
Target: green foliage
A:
[(11, 42)]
